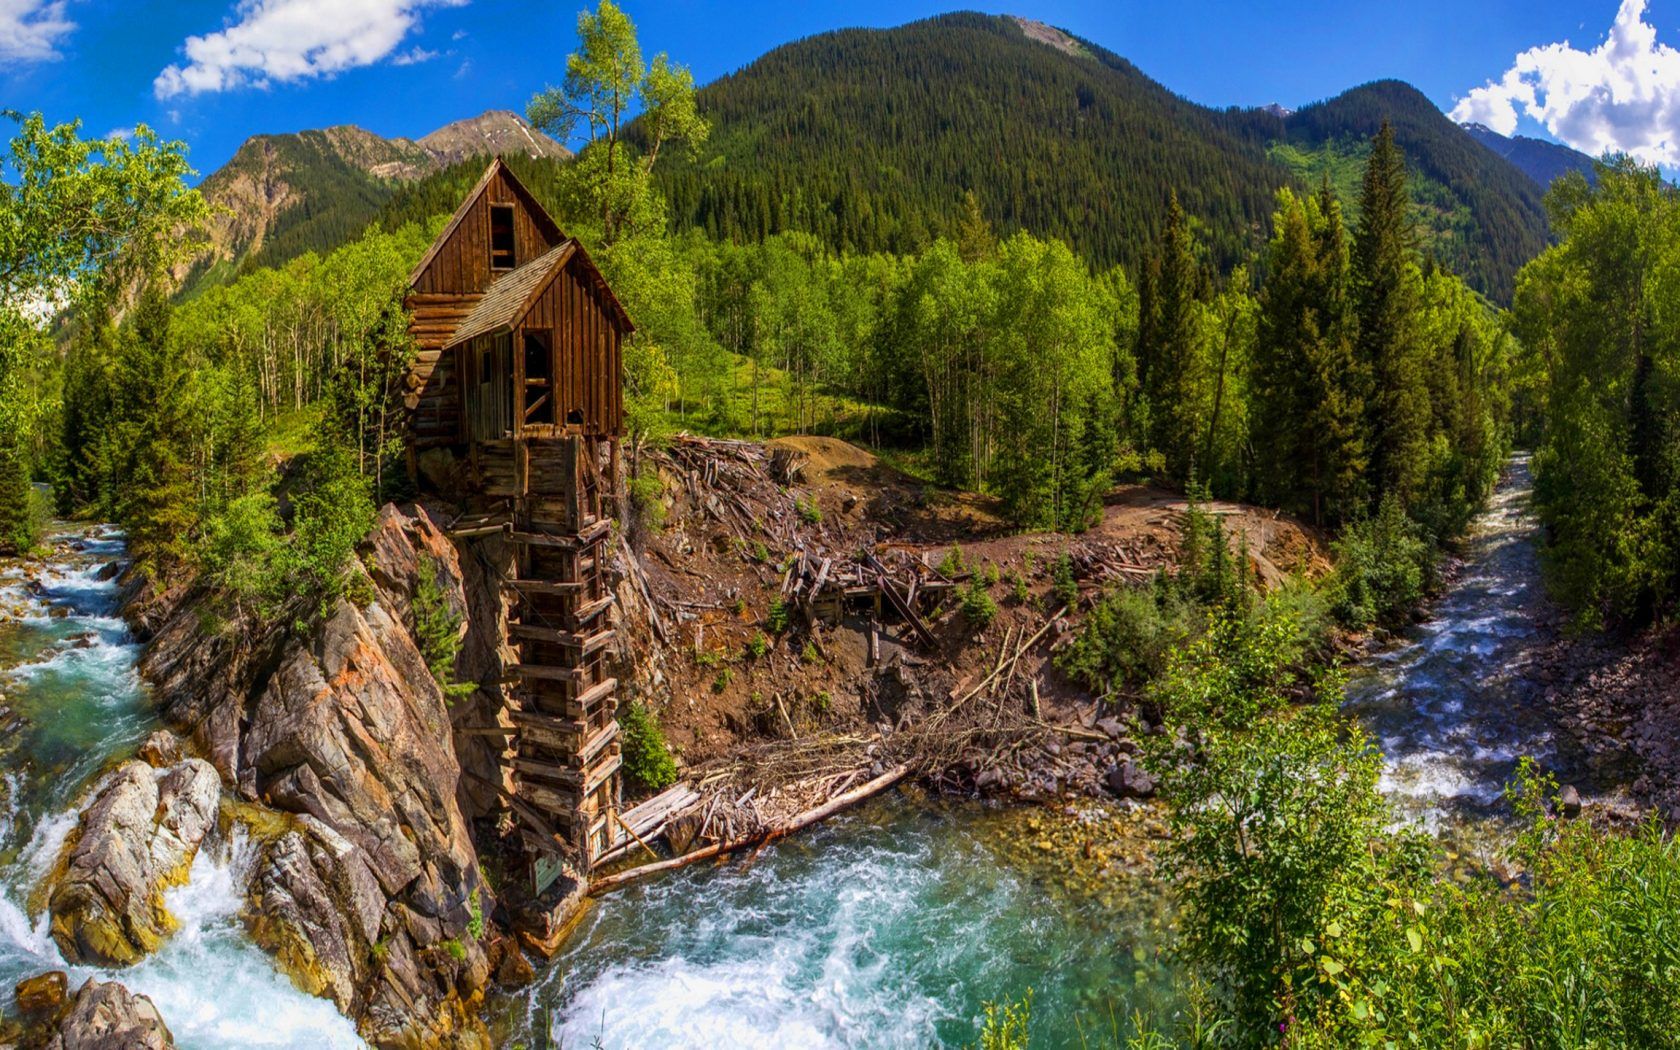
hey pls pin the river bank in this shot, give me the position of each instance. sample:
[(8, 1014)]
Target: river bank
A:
[(75, 704)]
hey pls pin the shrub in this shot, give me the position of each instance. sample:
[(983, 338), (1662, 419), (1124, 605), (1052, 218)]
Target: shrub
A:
[(334, 512), (18, 531), (779, 616), (648, 765), (810, 654), (456, 949), (809, 512), (952, 563), (1383, 567), (241, 553), (1125, 639), (1007, 1026), (757, 646), (721, 682), (475, 917), (437, 629), (977, 606), (1063, 585)]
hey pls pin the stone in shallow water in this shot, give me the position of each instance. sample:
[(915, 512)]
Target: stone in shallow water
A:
[(43, 994), (107, 1016), (137, 838)]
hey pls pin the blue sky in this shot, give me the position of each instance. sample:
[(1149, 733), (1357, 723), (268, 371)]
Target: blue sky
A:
[(213, 72)]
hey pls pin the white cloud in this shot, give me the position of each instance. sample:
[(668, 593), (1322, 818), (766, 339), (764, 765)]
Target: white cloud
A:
[(289, 40), (31, 30), (120, 133), (1622, 96), (414, 56)]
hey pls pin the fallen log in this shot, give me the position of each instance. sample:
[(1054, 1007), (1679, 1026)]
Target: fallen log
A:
[(802, 820)]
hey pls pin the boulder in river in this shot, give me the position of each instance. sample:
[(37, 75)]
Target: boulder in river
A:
[(136, 839), (161, 749), (43, 994), (1569, 801), (107, 1016)]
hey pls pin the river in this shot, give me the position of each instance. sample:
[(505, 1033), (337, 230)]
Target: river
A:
[(76, 704), (890, 926)]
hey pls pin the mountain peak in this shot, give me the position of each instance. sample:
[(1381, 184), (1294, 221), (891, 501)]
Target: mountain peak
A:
[(493, 131)]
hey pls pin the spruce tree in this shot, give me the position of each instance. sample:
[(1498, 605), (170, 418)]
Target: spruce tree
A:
[(1170, 350), (1386, 297)]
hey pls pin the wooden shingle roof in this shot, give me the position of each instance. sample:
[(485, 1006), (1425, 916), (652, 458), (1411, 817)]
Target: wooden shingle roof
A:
[(511, 296)]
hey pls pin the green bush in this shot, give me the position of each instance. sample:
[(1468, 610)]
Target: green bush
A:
[(437, 629), (241, 553), (978, 608), (1125, 638), (1383, 569), (952, 562), (334, 512), (647, 502), (648, 765), (1062, 582), (809, 512), (779, 616), (757, 646)]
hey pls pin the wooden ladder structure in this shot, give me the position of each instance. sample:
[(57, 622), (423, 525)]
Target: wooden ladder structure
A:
[(565, 751)]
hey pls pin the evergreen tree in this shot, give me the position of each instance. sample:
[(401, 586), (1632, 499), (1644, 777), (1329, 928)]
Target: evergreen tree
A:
[(1171, 354), (1386, 300)]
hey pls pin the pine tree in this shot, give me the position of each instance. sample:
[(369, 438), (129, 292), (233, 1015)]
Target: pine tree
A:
[(1386, 300), (1170, 348)]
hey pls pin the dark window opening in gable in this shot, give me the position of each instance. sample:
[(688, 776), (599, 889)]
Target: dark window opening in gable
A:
[(501, 237)]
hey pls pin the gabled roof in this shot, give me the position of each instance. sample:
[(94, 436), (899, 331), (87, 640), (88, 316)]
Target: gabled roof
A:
[(512, 294), (538, 213)]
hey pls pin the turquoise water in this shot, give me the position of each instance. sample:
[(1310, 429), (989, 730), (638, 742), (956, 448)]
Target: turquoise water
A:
[(886, 927), (75, 704), (892, 926)]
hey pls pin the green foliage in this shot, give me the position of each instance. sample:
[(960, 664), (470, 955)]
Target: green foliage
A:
[(978, 608), (1598, 310), (721, 682), (333, 511), (1063, 586), (780, 616), (757, 646), (648, 765), (1007, 1026), (1125, 638), (1384, 566), (437, 628), (475, 916), (951, 563), (647, 502), (810, 654), (809, 512), (456, 949)]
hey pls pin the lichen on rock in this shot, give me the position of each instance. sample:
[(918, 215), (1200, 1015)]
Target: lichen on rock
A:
[(135, 839)]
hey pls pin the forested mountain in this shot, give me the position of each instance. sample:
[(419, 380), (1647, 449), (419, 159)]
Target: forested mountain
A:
[(282, 195), (870, 138), (1540, 160)]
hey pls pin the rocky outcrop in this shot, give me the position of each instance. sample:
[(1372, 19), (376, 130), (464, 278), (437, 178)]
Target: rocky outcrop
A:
[(107, 1016), (368, 892), (44, 994), (137, 838)]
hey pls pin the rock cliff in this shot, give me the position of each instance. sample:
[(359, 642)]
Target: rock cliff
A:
[(368, 888)]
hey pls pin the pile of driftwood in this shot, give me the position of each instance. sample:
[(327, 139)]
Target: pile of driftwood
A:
[(911, 589), (740, 484), (719, 821)]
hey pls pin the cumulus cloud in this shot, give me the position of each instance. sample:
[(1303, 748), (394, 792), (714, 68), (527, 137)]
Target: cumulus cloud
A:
[(289, 40), (1622, 96), (31, 30)]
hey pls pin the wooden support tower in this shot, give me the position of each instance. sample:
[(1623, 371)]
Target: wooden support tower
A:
[(562, 702)]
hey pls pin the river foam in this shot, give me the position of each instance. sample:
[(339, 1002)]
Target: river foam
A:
[(67, 669)]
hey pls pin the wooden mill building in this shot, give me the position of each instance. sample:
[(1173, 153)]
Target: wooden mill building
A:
[(517, 401)]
